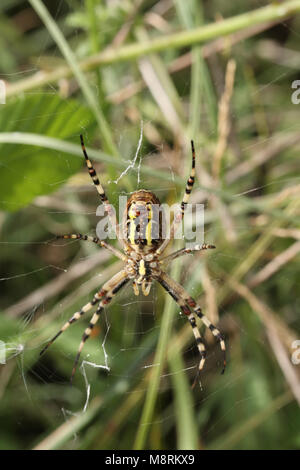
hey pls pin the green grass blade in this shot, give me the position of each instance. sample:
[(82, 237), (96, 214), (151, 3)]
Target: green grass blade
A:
[(70, 57)]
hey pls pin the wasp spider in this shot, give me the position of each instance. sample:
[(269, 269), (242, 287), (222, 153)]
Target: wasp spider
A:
[(143, 260)]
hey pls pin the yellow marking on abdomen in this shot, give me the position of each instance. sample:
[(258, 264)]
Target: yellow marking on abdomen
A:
[(149, 225), (132, 229), (149, 233)]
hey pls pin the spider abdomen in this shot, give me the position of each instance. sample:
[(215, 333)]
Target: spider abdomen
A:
[(143, 222)]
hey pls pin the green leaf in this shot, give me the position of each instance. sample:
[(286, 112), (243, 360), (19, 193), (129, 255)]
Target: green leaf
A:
[(28, 171)]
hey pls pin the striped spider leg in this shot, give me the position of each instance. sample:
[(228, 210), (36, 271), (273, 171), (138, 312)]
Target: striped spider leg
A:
[(179, 217), (189, 305), (104, 296), (108, 207), (184, 251), (96, 240)]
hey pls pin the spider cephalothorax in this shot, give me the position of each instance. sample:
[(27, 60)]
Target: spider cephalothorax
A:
[(143, 241)]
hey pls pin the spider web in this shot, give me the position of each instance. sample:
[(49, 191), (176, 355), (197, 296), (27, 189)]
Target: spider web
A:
[(19, 346)]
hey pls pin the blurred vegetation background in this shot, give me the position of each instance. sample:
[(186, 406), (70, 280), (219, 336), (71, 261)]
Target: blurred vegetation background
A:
[(220, 73)]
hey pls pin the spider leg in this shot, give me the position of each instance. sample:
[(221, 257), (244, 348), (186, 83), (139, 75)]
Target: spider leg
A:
[(178, 217), (116, 283), (108, 207), (187, 303), (170, 286), (74, 318), (78, 236), (184, 251), (97, 297)]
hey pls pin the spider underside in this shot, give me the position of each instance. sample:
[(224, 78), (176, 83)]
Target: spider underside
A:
[(143, 246)]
